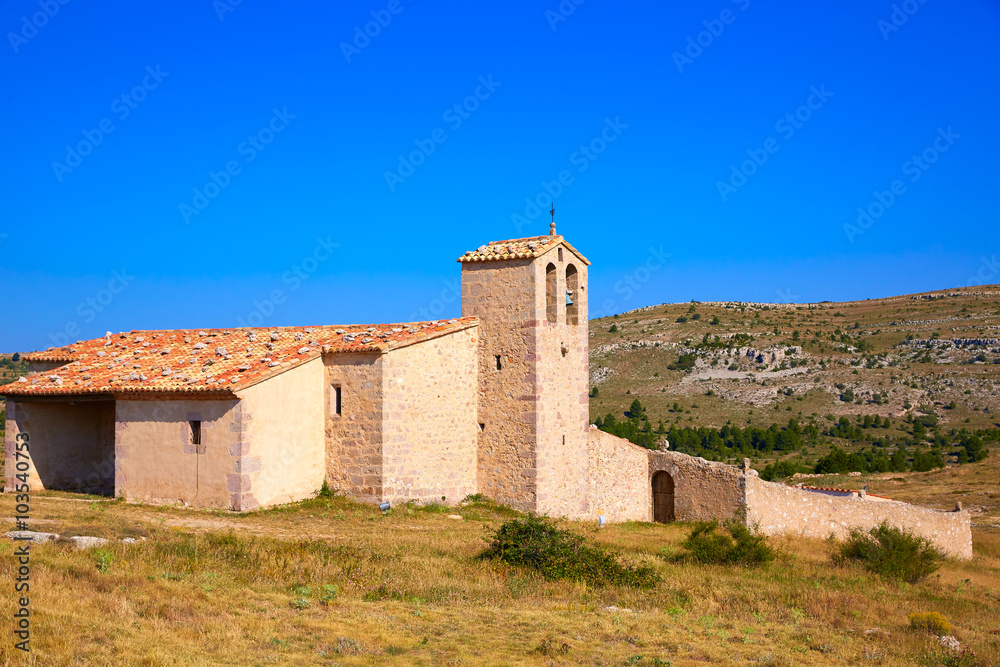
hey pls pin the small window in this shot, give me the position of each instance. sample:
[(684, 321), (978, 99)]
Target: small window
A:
[(195, 432), (336, 400), (564, 439), (560, 255), (499, 366), (482, 427)]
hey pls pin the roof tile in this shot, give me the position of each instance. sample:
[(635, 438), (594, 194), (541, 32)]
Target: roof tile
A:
[(167, 361)]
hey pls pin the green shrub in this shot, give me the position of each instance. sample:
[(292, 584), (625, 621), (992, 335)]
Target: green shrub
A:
[(103, 560), (685, 362), (932, 622), (891, 552), (536, 543), (325, 491), (731, 543)]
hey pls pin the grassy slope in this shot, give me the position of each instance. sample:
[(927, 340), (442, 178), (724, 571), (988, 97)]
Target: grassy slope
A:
[(216, 588)]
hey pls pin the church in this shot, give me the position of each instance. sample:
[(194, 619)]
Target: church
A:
[(493, 402)]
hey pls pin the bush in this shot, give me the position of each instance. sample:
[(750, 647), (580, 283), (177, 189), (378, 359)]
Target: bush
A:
[(778, 470), (891, 552), (932, 622), (685, 362), (708, 544), (536, 543)]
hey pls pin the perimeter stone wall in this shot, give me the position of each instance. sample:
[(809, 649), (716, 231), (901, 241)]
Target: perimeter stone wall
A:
[(781, 509)]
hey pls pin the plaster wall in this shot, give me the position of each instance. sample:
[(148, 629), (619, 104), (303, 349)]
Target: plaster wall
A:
[(156, 461), (281, 457)]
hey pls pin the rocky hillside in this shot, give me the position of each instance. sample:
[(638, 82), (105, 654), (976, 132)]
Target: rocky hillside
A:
[(934, 356)]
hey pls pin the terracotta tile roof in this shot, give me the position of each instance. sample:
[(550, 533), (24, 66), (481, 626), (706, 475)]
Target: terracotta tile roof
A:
[(209, 361), (528, 248)]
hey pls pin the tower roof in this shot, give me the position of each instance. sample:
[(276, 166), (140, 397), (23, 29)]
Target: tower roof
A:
[(527, 248)]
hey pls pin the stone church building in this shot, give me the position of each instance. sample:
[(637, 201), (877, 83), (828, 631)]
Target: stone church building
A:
[(494, 402)]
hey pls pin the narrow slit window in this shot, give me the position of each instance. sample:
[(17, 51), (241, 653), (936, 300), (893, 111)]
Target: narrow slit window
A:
[(336, 400), (195, 432), (564, 439), (499, 366), (560, 255)]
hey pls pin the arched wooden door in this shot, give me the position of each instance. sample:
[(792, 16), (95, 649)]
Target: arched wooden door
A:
[(663, 497)]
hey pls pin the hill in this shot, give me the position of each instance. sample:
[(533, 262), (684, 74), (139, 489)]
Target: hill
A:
[(919, 371)]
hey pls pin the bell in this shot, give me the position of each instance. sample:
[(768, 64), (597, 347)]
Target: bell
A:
[(569, 299)]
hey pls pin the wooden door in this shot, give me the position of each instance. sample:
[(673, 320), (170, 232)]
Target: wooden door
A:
[(663, 497)]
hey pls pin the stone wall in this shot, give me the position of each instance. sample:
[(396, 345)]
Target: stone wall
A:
[(281, 456), (619, 479), (429, 428), (780, 509), (501, 295), (354, 437), (71, 445), (561, 385), (156, 461), (533, 408), (703, 490)]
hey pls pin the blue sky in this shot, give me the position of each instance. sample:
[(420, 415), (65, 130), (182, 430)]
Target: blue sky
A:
[(208, 164)]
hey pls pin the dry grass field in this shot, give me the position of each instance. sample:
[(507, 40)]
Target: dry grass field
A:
[(332, 582)]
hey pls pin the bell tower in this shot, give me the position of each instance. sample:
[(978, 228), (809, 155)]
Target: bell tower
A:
[(530, 296)]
